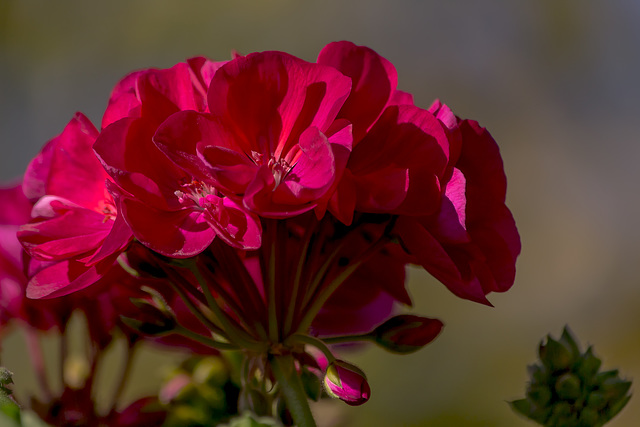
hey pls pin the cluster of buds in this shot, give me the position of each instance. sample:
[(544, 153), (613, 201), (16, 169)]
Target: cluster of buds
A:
[(201, 391), (568, 389)]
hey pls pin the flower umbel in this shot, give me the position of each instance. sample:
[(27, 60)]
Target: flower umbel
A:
[(269, 205)]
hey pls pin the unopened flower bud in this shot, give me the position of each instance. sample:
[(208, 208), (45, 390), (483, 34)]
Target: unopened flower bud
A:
[(155, 317), (347, 383), (554, 355), (407, 333), (566, 388)]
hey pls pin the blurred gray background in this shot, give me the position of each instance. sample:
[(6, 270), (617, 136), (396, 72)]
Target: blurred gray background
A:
[(555, 82)]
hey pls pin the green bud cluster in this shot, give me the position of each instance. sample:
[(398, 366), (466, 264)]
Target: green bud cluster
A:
[(567, 388), (206, 394)]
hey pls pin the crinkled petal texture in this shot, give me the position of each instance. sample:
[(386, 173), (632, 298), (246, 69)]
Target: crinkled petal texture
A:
[(169, 209), (471, 243), (74, 223), (271, 139)]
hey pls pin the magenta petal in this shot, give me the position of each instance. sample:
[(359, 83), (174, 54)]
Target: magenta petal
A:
[(72, 231), (272, 97), (116, 241), (15, 208), (176, 234), (63, 278), (259, 198), (314, 171), (236, 226), (67, 167), (123, 101), (430, 254), (374, 79)]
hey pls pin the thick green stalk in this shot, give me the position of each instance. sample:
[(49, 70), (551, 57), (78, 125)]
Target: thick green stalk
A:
[(289, 382)]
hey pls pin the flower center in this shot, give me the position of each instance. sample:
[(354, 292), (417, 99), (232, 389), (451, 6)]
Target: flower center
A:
[(280, 167), (203, 195), (108, 208)]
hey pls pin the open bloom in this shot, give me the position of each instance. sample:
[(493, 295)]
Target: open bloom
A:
[(271, 139), (75, 234), (170, 210)]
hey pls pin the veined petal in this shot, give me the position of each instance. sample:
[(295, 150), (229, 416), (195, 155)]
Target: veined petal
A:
[(430, 254), (70, 231), (177, 234), (63, 278), (374, 80), (270, 98), (67, 167)]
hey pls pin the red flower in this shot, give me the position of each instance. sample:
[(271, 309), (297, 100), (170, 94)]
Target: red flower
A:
[(15, 210), (471, 243), (76, 233), (271, 140), (168, 209), (399, 151)]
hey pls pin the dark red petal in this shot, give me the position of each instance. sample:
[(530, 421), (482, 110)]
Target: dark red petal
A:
[(176, 234), (374, 80)]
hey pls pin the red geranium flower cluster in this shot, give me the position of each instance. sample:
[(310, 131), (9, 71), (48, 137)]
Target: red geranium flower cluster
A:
[(280, 199)]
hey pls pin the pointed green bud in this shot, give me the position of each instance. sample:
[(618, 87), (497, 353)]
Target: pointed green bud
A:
[(596, 400), (539, 394), (555, 356), (589, 364), (589, 417), (615, 388), (568, 387), (568, 341)]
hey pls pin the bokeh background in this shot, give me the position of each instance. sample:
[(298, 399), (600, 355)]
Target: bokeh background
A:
[(557, 83)]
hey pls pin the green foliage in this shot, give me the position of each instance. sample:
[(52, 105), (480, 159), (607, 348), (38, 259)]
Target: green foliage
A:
[(201, 392), (566, 388)]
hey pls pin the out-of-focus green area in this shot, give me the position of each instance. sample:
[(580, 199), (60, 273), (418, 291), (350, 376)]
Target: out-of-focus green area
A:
[(555, 82)]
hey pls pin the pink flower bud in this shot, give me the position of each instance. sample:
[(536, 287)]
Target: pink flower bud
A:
[(407, 333), (347, 382)]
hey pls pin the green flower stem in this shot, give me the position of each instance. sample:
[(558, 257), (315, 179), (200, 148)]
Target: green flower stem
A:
[(222, 256), (314, 342), (236, 335), (270, 277), (289, 382), (181, 330), (297, 278), (195, 310), (324, 294)]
